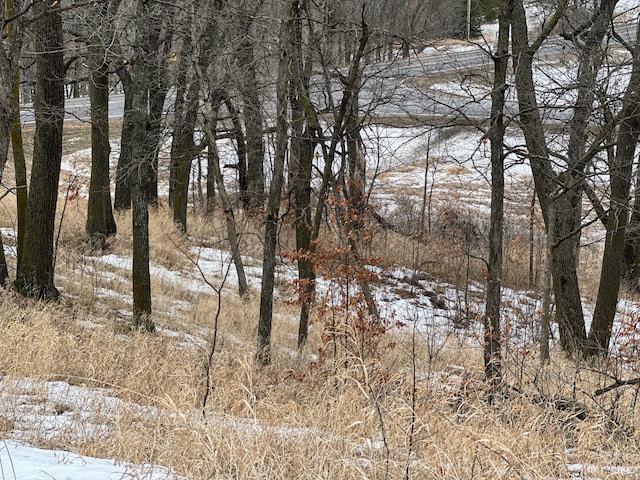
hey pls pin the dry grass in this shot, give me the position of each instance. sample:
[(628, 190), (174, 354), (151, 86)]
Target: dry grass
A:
[(346, 418), (419, 406)]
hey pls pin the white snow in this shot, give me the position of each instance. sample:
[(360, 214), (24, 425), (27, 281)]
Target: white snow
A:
[(20, 461)]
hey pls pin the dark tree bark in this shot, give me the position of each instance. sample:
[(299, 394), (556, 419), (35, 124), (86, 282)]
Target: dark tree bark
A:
[(253, 117), (301, 168), (100, 221), (14, 37), (8, 67), (20, 166), (183, 147), (35, 273), (122, 200), (621, 168), (141, 174), (273, 206), (241, 143), (555, 191), (492, 323), (212, 160)]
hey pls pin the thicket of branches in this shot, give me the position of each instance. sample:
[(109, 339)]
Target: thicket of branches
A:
[(291, 84)]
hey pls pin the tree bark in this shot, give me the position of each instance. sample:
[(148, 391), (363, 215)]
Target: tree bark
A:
[(35, 273), (234, 244), (141, 174), (8, 63), (157, 51), (122, 200), (14, 37), (183, 147), (300, 170), (273, 206), (253, 118), (100, 222), (559, 192), (492, 323), (621, 169)]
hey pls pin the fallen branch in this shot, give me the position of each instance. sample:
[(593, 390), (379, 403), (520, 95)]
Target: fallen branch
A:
[(617, 384)]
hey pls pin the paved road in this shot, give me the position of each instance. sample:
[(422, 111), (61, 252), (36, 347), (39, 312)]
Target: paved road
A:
[(390, 90), (77, 109)]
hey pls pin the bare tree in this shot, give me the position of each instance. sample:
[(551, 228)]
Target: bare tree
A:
[(35, 273), (142, 168), (492, 327), (273, 207), (100, 221), (620, 173)]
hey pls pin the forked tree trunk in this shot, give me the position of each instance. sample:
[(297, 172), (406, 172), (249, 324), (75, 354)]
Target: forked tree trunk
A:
[(561, 190)]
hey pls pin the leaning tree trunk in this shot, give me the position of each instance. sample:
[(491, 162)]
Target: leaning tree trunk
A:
[(35, 273), (234, 244), (100, 221), (621, 169)]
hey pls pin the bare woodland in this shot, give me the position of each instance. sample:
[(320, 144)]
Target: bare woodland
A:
[(248, 125)]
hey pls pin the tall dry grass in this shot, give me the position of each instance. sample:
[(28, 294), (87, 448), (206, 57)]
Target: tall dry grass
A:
[(417, 409), (346, 417)]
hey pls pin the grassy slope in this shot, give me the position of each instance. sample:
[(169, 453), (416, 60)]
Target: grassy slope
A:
[(418, 403)]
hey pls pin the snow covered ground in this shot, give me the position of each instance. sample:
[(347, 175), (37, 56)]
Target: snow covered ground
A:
[(19, 461)]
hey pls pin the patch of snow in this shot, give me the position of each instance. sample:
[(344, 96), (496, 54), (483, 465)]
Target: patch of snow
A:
[(19, 461)]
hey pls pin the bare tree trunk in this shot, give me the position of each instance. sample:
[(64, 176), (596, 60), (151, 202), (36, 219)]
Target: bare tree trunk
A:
[(562, 190), (232, 234), (100, 221), (8, 63), (122, 199), (141, 174), (183, 147), (35, 273), (14, 37), (159, 38), (273, 206), (621, 169), (492, 323), (301, 168), (212, 160), (253, 118)]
